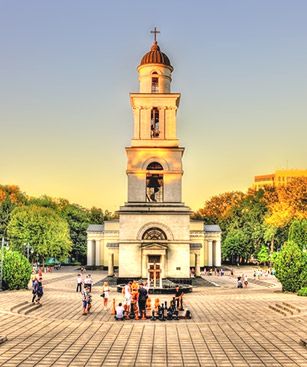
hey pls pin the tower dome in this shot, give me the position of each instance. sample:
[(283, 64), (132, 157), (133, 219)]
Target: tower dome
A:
[(155, 56)]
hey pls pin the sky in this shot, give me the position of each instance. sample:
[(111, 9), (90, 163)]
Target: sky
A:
[(67, 68)]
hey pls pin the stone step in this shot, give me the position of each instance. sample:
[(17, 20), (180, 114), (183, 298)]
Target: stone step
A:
[(15, 307), (285, 308), (24, 308), (274, 308), (291, 306), (32, 308)]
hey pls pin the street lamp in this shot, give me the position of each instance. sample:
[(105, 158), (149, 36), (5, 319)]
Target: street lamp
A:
[(3, 243)]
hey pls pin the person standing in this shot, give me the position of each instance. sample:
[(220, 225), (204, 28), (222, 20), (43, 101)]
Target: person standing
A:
[(40, 290), (79, 283), (33, 276), (105, 294), (245, 280), (143, 294), (127, 296), (88, 281), (34, 289), (178, 296), (85, 300)]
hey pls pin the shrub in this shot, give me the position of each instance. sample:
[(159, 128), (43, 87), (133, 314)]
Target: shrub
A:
[(263, 255), (291, 267), (16, 270), (298, 233), (302, 292)]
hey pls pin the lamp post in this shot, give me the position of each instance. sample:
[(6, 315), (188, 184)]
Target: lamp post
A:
[(3, 243)]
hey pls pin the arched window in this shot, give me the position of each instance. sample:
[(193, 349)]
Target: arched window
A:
[(154, 121), (154, 234), (154, 166), (154, 183), (154, 83)]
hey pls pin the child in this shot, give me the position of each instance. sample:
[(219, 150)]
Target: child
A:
[(88, 281), (79, 283), (239, 283), (85, 300), (119, 312), (245, 280), (105, 294)]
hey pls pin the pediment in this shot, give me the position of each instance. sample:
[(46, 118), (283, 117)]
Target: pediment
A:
[(153, 246)]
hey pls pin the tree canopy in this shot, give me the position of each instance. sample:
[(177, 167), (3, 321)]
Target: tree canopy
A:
[(263, 216), (42, 228)]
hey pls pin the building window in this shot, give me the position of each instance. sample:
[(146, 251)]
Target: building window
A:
[(154, 234), (154, 83), (154, 121), (154, 183)]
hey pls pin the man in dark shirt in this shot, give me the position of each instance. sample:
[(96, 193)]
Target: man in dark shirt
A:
[(142, 299), (178, 295)]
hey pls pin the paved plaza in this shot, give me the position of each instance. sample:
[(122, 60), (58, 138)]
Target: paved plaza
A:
[(257, 326)]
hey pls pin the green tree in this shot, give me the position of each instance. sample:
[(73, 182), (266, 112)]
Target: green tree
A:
[(263, 255), (291, 267), (78, 219), (16, 270), (10, 198), (42, 228), (298, 233), (247, 217), (218, 208), (235, 246)]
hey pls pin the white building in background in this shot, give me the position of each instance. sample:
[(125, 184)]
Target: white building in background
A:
[(154, 237)]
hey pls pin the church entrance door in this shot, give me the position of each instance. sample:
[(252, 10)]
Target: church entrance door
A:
[(154, 271)]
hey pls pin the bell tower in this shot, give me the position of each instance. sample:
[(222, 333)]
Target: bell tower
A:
[(154, 157), (154, 222)]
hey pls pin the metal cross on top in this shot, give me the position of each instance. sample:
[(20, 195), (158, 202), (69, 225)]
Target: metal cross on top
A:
[(155, 31)]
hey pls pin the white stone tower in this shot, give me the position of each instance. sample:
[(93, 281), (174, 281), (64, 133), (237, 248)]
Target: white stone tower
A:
[(154, 223)]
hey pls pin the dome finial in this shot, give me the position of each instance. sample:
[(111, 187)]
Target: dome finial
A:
[(155, 31)]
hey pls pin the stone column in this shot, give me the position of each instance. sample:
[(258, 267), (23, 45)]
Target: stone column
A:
[(210, 253), (197, 264), (162, 122), (218, 253), (110, 265), (97, 259), (90, 252)]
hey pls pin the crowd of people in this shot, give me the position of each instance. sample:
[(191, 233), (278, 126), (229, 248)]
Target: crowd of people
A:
[(135, 298), (137, 303)]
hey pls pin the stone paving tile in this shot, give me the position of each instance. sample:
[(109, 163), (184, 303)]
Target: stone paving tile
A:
[(229, 328)]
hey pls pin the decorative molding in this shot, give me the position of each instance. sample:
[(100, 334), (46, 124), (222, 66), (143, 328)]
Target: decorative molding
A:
[(112, 245), (195, 246)]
